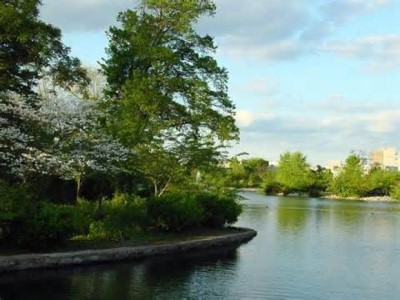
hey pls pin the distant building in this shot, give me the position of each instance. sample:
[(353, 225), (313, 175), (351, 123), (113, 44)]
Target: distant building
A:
[(335, 166), (386, 158)]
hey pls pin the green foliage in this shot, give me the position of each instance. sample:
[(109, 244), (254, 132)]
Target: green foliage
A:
[(321, 180), (293, 173), (180, 211), (40, 225), (30, 49), (381, 182), (236, 173), (351, 181), (270, 184), (255, 168), (219, 210), (244, 173), (175, 212), (395, 193), (119, 218), (11, 197), (167, 100), (167, 93)]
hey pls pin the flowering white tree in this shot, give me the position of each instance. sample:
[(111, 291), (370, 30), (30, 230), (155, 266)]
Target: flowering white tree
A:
[(21, 146), (80, 144), (60, 137)]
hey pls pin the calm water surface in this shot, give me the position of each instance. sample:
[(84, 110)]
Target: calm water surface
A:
[(305, 249)]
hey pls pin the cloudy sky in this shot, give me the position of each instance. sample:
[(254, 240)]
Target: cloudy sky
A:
[(319, 76)]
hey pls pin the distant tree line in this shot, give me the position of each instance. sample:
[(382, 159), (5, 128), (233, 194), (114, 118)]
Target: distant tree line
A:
[(293, 175)]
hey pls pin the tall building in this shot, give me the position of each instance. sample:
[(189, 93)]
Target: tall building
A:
[(387, 158)]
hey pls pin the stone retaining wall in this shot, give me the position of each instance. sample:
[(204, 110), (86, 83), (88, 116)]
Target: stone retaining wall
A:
[(56, 260)]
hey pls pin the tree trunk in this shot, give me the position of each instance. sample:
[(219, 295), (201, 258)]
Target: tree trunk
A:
[(165, 187), (78, 187)]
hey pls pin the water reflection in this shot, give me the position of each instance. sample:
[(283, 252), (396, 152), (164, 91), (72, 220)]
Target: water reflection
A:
[(139, 280), (292, 215)]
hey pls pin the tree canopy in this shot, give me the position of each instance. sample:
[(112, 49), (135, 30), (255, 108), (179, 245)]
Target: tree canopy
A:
[(31, 49), (351, 179), (164, 88), (294, 172)]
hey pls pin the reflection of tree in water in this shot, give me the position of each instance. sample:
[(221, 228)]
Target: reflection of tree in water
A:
[(169, 277), (255, 215), (292, 217), (157, 277)]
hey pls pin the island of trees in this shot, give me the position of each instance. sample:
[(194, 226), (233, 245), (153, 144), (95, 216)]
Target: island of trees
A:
[(293, 175), (118, 152)]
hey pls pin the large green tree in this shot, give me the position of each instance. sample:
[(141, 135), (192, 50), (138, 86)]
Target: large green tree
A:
[(165, 90)]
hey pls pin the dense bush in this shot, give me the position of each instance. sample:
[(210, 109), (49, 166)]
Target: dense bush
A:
[(175, 212), (33, 223), (37, 224), (395, 194), (11, 199), (180, 211), (120, 218), (43, 224), (219, 210)]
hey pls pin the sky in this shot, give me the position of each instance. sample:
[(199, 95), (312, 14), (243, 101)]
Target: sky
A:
[(317, 76)]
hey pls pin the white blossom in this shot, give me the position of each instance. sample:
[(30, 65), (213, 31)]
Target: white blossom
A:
[(60, 137)]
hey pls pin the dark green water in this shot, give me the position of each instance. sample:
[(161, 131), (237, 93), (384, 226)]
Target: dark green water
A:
[(305, 249)]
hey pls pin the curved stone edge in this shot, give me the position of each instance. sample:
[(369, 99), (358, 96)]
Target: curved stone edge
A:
[(62, 259)]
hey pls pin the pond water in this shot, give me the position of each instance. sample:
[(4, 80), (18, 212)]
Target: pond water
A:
[(305, 249)]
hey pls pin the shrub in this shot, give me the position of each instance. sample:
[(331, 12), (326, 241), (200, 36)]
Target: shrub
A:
[(180, 211), (11, 198), (272, 188), (175, 212), (43, 224), (220, 210), (395, 193), (122, 216)]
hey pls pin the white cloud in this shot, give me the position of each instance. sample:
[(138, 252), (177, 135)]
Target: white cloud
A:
[(245, 118), (340, 11), (273, 29), (381, 52), (83, 15), (260, 87), (320, 138), (384, 122), (253, 20), (280, 50)]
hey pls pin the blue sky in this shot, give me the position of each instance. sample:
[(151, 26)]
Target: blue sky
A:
[(321, 77)]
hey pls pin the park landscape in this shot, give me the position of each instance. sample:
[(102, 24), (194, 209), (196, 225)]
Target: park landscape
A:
[(135, 152)]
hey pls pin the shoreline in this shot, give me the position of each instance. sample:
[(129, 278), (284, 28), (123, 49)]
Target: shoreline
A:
[(331, 197), (365, 199), (31, 261)]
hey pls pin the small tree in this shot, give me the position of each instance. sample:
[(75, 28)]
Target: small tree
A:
[(381, 182), (294, 173), (322, 179), (60, 138), (255, 169), (270, 183), (351, 181)]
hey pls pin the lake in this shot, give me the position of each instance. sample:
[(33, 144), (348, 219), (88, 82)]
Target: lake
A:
[(305, 249)]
